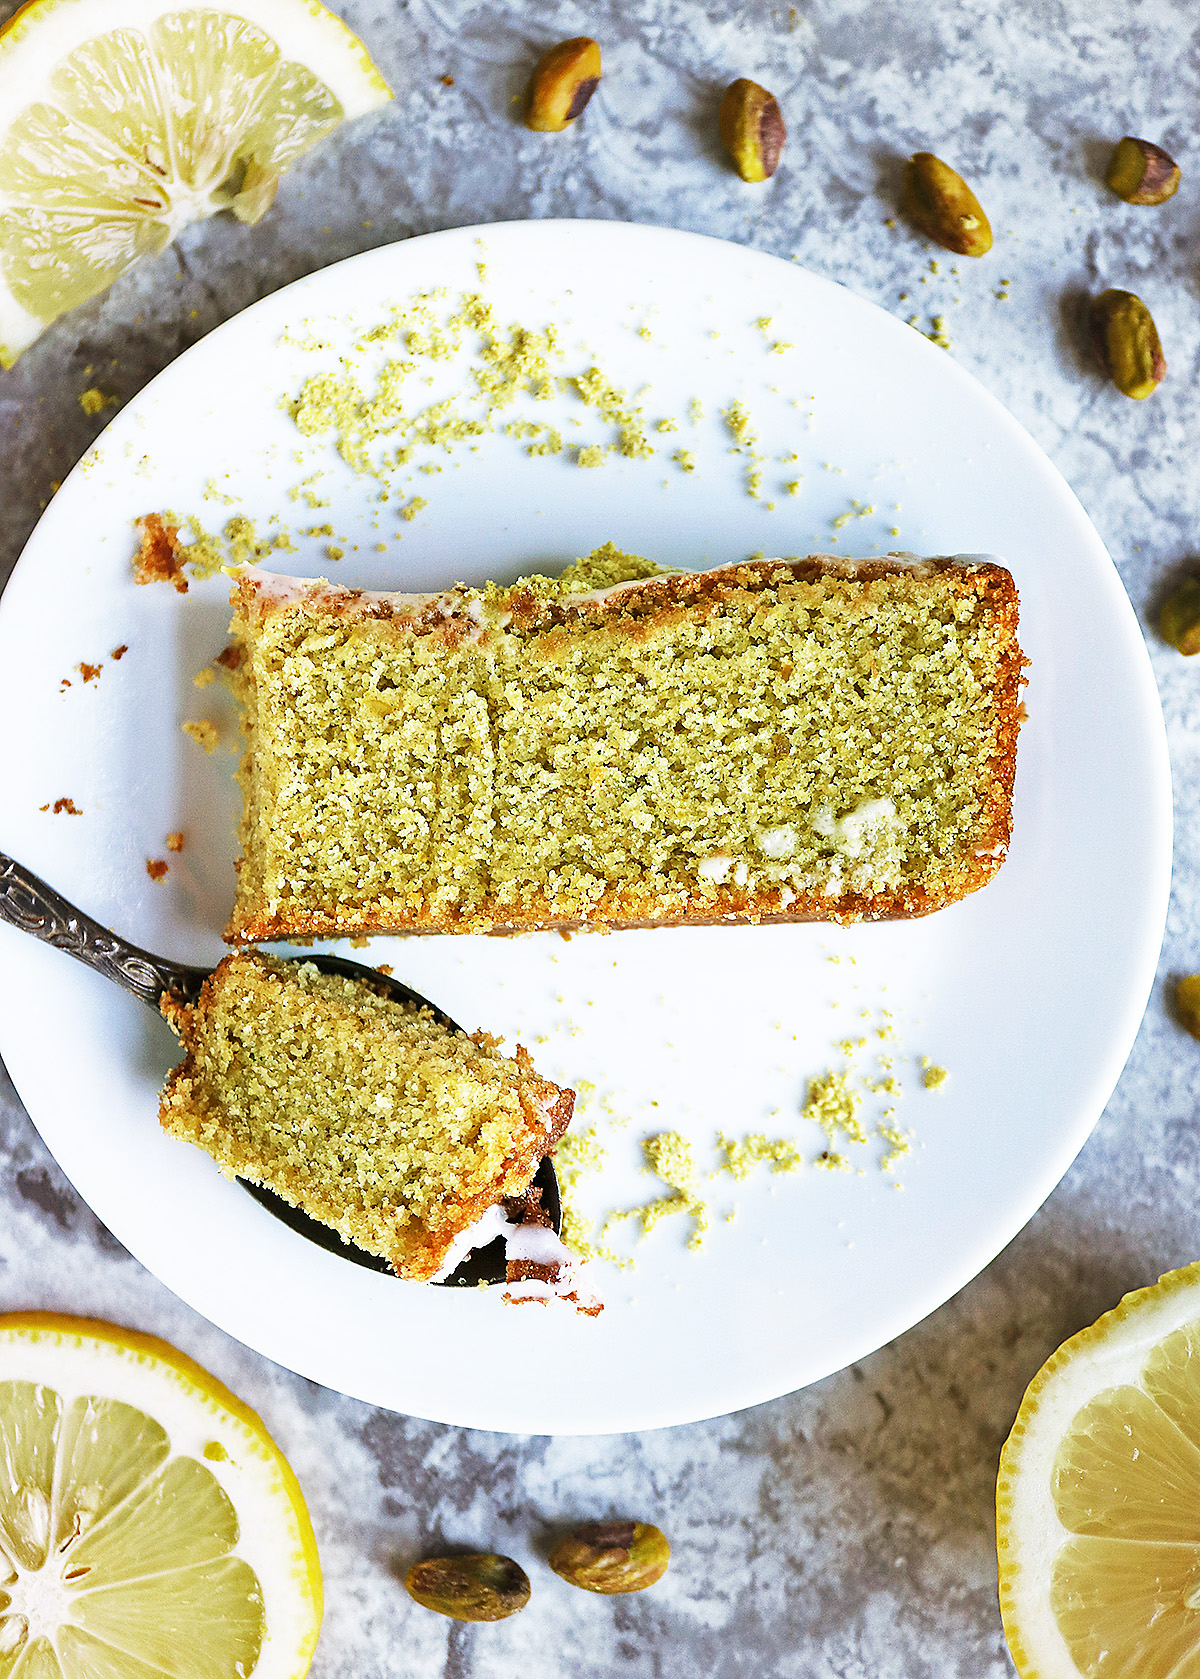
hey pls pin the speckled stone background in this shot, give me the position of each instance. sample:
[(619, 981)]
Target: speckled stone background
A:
[(845, 1530)]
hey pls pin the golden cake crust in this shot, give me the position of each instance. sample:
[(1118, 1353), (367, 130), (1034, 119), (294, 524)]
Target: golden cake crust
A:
[(640, 611)]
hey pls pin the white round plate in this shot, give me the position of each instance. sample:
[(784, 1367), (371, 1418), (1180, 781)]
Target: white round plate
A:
[(1029, 993)]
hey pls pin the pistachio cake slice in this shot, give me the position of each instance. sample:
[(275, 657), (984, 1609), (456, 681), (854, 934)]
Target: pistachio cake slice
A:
[(816, 739), (367, 1114)]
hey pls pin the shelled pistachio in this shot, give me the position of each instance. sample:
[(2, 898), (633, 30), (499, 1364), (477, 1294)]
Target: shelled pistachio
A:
[(752, 129), (480, 1587), (1141, 172), (1126, 343), (611, 1557), (563, 81), (941, 205)]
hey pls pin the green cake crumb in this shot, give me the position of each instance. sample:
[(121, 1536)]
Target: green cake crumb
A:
[(239, 544), (94, 401), (741, 428), (780, 1153), (204, 734), (740, 425), (577, 1154), (856, 510), (669, 1156), (204, 555), (540, 439), (605, 567), (833, 1103), (900, 1145), (243, 543), (933, 1077), (614, 406)]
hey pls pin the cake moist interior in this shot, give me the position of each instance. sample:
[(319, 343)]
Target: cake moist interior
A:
[(764, 740)]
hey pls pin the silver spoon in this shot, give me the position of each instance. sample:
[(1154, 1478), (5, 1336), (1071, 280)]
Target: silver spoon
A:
[(28, 903)]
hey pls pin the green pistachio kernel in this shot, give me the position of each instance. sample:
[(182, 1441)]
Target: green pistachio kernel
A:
[(611, 1557), (1187, 1003), (1180, 618), (482, 1587)]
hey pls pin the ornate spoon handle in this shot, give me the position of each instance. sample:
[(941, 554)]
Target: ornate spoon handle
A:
[(28, 903)]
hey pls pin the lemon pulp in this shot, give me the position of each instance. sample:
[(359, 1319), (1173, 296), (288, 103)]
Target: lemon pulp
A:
[(1126, 1589), (124, 1556), (114, 1546), (1098, 1501), (131, 132)]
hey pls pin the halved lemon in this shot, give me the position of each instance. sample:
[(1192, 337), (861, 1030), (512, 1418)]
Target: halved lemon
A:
[(149, 1525), (121, 121), (1098, 1499)]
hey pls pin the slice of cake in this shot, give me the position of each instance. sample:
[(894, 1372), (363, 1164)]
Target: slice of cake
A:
[(818, 739), (368, 1114)]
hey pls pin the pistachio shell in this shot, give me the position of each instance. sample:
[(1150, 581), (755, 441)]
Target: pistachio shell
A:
[(1126, 343), (480, 1587), (563, 81), (941, 205), (752, 129), (612, 1557)]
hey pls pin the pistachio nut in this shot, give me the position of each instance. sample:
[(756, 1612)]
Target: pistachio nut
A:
[(1126, 343), (611, 1557), (482, 1587), (1141, 172), (752, 129), (941, 205), (1187, 1003), (1180, 623), (563, 80)]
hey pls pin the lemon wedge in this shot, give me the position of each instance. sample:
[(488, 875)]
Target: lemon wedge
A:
[(149, 1526), (121, 121), (1098, 1498)]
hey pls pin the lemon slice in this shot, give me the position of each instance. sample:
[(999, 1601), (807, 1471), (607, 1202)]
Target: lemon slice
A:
[(1098, 1500), (149, 1526), (121, 121)]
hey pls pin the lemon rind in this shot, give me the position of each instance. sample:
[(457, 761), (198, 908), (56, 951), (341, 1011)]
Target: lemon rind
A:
[(1109, 1353), (43, 32), (18, 328), (293, 1647), (39, 35)]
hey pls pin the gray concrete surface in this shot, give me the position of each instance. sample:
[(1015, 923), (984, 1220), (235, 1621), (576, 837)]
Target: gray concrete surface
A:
[(845, 1530)]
